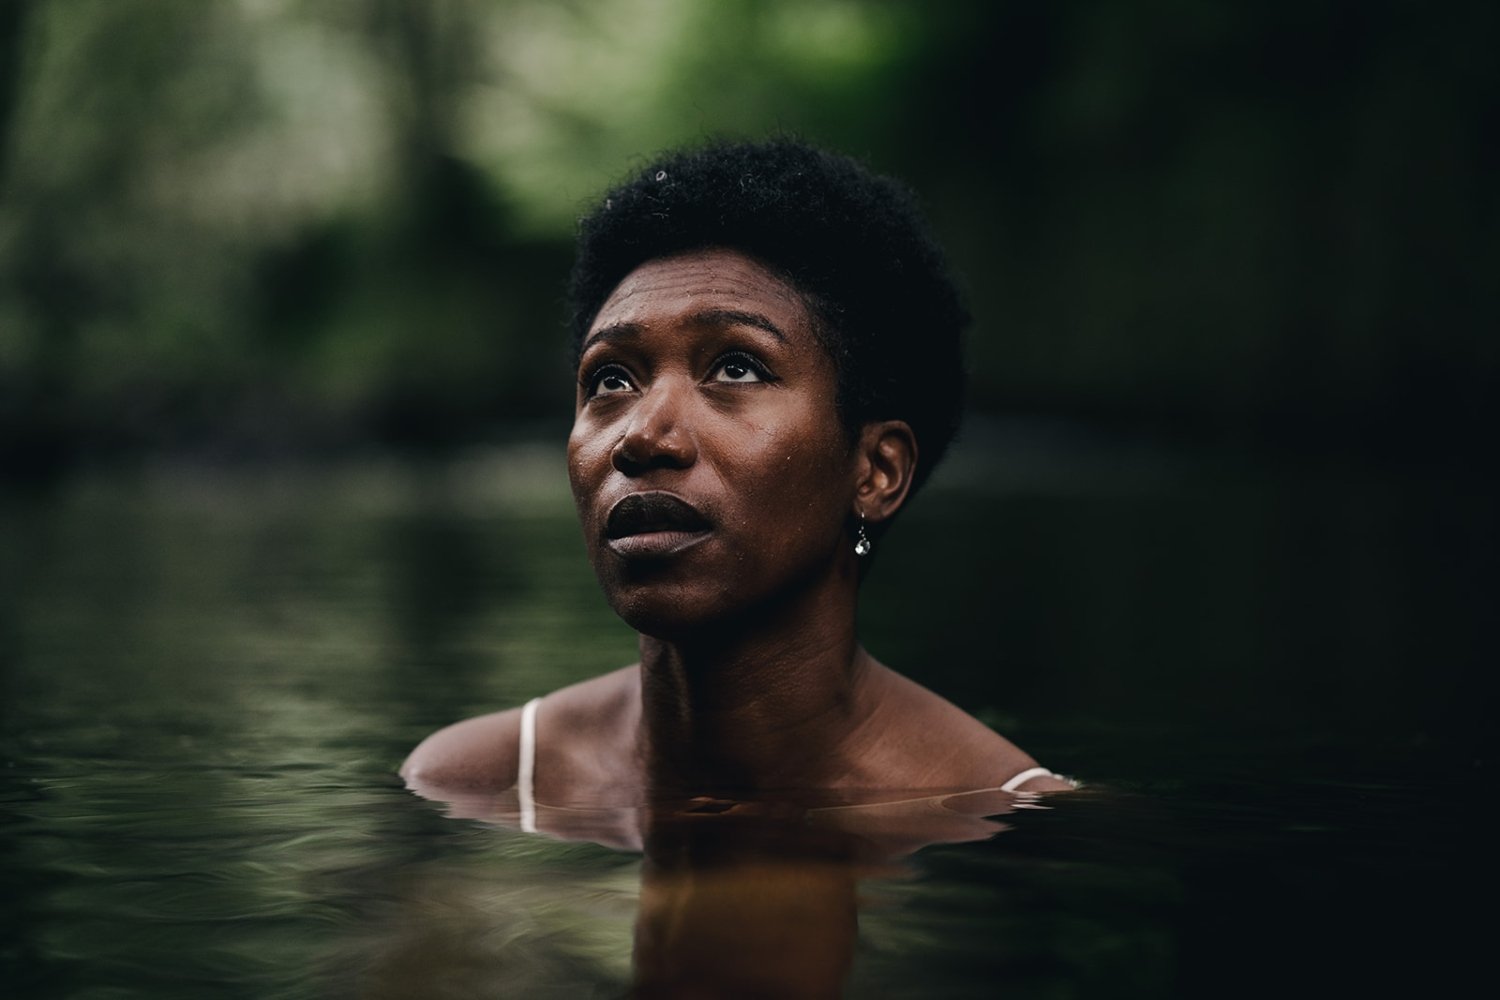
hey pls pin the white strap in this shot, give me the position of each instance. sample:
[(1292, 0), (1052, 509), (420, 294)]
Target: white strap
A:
[(526, 767), (1025, 776)]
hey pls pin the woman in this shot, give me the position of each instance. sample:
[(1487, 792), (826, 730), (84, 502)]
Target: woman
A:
[(769, 366)]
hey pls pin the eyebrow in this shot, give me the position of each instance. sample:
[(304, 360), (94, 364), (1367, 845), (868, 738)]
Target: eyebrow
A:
[(706, 317)]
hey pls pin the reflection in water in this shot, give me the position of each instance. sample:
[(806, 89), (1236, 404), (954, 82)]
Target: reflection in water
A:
[(206, 684), (745, 906), (759, 897)]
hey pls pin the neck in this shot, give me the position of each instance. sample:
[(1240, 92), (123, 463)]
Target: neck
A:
[(776, 703)]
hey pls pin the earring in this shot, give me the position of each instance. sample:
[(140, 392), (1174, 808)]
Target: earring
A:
[(862, 543)]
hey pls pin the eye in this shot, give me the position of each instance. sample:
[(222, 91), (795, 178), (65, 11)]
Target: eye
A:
[(607, 381), (739, 368)]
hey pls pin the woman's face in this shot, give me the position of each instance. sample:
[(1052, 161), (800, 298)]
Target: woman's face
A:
[(710, 469)]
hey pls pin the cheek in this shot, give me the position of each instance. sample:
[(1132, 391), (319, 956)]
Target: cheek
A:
[(808, 472), (583, 461)]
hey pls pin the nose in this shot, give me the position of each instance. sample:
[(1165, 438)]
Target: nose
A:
[(658, 433)]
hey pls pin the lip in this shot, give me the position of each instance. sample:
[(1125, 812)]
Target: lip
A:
[(653, 525)]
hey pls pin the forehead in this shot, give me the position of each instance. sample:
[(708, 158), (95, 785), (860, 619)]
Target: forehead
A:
[(670, 288)]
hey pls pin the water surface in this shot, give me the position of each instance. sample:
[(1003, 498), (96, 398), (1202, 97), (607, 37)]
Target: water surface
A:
[(1264, 673)]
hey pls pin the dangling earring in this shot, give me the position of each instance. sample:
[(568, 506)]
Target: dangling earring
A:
[(862, 543)]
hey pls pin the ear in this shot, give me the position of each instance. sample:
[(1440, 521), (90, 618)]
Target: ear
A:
[(886, 462)]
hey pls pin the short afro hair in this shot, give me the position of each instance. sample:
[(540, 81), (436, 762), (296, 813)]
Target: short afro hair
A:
[(853, 243)]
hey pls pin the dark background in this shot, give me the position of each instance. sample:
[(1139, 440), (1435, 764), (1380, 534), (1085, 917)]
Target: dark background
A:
[(249, 229)]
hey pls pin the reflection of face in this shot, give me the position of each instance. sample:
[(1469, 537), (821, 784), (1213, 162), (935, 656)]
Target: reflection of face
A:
[(704, 391)]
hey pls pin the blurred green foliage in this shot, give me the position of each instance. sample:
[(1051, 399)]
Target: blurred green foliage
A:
[(265, 225)]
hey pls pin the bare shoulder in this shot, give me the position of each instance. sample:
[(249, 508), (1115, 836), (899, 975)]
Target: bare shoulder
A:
[(477, 754), (481, 754), (967, 751), (585, 736)]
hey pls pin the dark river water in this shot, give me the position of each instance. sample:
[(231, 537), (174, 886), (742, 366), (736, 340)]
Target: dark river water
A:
[(1265, 672)]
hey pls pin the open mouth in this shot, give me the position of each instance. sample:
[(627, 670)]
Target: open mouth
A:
[(653, 524)]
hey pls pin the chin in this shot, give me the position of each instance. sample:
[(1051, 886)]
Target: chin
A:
[(681, 613), (661, 598), (705, 594), (666, 613)]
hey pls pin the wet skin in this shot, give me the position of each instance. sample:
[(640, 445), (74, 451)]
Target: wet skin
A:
[(717, 490), (706, 423)]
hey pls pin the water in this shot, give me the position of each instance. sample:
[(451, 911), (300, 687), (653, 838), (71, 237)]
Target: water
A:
[(1267, 675)]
